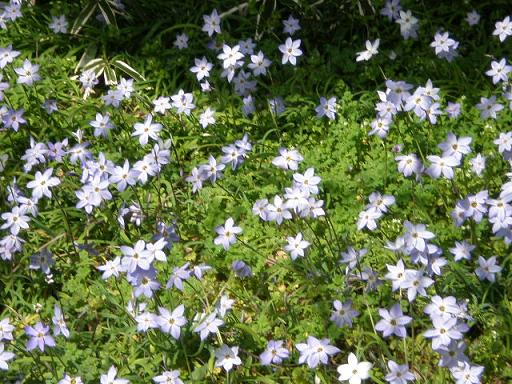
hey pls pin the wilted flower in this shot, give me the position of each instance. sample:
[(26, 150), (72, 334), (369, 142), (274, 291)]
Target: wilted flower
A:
[(371, 50), (241, 269)]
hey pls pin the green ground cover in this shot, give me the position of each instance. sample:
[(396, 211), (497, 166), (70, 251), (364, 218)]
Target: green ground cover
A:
[(255, 192)]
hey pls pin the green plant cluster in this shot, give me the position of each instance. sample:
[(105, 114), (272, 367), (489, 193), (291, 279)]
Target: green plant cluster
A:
[(282, 299)]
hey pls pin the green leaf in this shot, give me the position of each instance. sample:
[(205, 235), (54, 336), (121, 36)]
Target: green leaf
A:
[(87, 56), (83, 16), (107, 12), (247, 329), (199, 373), (130, 71), (110, 76), (94, 64)]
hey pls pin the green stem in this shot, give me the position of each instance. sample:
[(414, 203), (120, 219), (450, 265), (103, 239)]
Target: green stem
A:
[(318, 239), (252, 248), (227, 191), (335, 235), (405, 351), (68, 226), (36, 360), (138, 199), (411, 311), (54, 368), (185, 353), (120, 293)]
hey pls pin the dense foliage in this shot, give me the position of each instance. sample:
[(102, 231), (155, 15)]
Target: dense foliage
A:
[(266, 192)]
